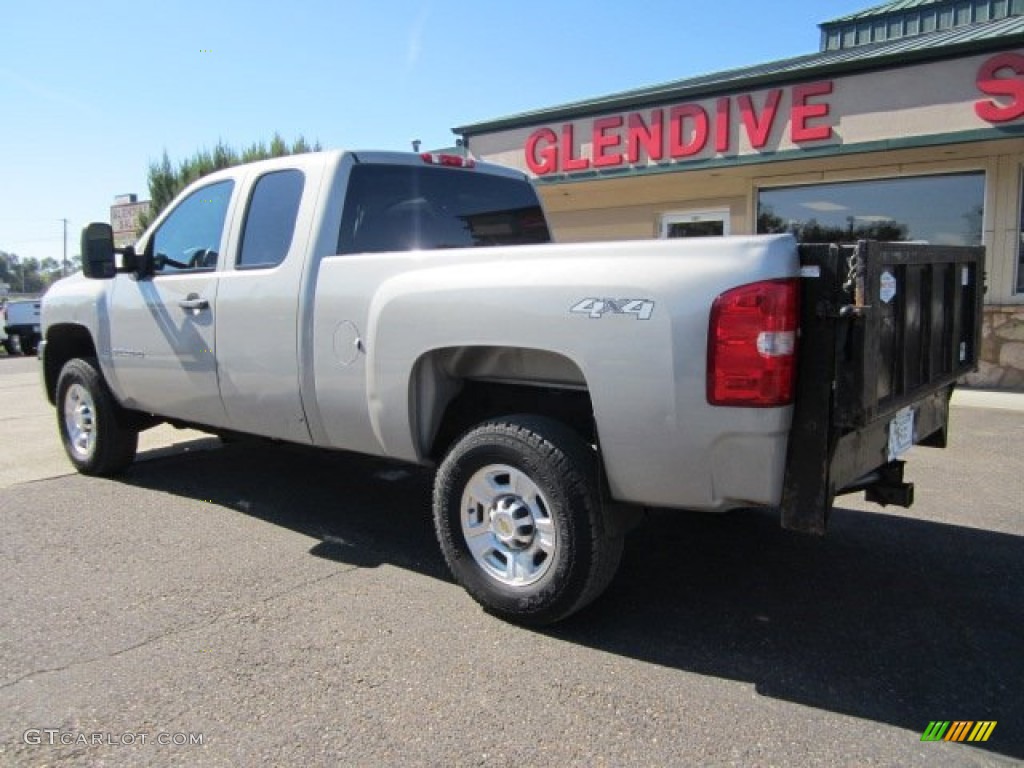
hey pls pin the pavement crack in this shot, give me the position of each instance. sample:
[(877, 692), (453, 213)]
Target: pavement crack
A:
[(46, 671), (308, 583), (176, 630)]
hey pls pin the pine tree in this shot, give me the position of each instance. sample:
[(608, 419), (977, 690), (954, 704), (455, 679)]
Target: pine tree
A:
[(166, 181)]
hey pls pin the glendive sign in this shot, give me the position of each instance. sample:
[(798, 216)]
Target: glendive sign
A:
[(801, 115)]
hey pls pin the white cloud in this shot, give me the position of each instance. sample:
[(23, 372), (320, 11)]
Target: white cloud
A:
[(824, 206), (45, 92), (415, 47)]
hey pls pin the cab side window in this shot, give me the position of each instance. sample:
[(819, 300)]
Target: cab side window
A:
[(270, 219), (189, 238)]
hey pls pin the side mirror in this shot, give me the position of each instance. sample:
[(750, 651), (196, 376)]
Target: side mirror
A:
[(98, 251), (145, 264)]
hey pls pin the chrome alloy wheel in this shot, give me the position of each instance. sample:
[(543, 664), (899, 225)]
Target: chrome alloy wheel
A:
[(80, 420), (507, 524)]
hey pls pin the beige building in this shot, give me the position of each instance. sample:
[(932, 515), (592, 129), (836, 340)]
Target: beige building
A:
[(907, 125)]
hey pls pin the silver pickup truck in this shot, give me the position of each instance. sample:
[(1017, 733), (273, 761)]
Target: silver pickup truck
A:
[(411, 306)]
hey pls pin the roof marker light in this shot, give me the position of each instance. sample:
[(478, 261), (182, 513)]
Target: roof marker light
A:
[(447, 161)]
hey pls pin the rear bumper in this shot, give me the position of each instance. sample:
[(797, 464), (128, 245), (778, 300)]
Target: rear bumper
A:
[(862, 451), (824, 465)]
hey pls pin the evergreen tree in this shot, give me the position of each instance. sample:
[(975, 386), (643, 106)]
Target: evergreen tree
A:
[(166, 181), (26, 276)]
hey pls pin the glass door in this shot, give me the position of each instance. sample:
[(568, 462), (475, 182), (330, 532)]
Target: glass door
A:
[(695, 224)]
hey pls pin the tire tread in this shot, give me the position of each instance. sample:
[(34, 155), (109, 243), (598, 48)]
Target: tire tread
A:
[(116, 439), (570, 458)]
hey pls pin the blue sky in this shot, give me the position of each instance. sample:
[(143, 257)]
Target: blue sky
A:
[(93, 92)]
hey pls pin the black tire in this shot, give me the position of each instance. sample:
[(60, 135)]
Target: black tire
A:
[(107, 439), (10, 346), (560, 472), (28, 345)]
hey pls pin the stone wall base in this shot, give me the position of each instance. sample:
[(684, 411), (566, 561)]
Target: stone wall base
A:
[(1002, 350)]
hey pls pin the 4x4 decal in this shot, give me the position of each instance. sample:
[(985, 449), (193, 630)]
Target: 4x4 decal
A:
[(641, 309)]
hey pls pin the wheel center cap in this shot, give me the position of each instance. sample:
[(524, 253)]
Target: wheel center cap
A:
[(503, 525), (512, 522)]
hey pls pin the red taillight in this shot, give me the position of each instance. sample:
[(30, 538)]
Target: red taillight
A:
[(448, 161), (752, 345)]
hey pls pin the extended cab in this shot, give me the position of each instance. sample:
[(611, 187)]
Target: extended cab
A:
[(410, 306)]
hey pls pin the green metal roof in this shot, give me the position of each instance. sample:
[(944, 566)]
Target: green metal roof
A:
[(951, 43), (885, 10)]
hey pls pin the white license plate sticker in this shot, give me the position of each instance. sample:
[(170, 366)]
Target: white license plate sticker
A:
[(901, 433)]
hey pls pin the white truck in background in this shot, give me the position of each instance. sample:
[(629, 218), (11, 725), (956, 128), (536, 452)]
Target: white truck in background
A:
[(22, 329), (410, 306), (9, 344)]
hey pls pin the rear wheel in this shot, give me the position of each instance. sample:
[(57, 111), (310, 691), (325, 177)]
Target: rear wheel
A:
[(521, 521), (97, 433), (28, 345)]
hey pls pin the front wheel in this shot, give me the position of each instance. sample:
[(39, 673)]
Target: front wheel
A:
[(521, 520), (97, 434)]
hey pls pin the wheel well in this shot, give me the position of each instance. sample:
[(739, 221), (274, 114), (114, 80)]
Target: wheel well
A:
[(480, 400), (63, 342), (455, 388)]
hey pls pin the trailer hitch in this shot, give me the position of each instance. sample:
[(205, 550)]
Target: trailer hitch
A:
[(884, 486)]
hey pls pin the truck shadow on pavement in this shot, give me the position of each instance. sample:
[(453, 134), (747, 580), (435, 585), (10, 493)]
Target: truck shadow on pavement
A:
[(889, 618)]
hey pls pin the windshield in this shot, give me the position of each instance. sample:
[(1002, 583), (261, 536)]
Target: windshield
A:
[(404, 207)]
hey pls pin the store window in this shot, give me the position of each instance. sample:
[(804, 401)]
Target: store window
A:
[(695, 224), (942, 210)]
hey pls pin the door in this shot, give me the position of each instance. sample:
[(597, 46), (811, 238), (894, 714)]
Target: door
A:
[(258, 306), (162, 337), (695, 224)]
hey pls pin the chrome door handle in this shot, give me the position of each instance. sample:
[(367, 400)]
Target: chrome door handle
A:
[(194, 301)]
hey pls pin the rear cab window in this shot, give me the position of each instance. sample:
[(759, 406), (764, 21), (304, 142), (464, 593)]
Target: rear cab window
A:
[(406, 207), (270, 219)]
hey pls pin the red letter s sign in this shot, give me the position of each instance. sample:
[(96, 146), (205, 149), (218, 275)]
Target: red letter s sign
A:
[(1011, 87)]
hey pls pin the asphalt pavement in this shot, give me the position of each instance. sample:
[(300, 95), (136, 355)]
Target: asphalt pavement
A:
[(260, 604)]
